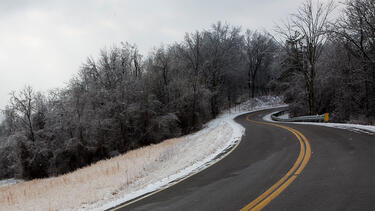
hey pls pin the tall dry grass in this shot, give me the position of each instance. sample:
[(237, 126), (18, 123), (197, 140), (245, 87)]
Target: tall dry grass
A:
[(116, 177)]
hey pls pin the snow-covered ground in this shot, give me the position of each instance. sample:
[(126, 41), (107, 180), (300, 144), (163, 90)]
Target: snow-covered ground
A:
[(136, 173), (370, 129), (284, 116)]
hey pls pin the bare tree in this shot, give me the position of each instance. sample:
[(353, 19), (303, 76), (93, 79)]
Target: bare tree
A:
[(23, 104), (190, 51), (356, 29), (162, 62), (137, 61), (222, 55), (308, 32), (10, 122), (257, 47)]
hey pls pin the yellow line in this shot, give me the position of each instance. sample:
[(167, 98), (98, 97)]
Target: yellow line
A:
[(302, 160)]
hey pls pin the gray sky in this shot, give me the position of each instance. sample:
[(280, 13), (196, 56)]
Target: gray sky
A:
[(43, 43)]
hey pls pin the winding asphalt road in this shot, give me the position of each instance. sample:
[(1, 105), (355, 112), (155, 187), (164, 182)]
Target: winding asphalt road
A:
[(339, 174)]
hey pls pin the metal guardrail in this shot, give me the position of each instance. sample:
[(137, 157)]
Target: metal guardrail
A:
[(313, 118)]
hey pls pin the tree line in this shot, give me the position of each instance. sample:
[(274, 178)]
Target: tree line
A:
[(328, 65), (123, 100)]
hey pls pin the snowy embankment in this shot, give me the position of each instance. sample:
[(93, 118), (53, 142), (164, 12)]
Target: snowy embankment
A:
[(110, 182), (369, 129)]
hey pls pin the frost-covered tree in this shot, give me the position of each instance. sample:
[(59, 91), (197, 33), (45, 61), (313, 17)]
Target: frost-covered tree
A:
[(304, 38), (22, 106), (258, 50), (222, 56), (355, 30)]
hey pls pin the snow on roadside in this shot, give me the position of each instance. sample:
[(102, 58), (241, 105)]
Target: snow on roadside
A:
[(7, 182), (369, 129), (284, 116), (133, 174)]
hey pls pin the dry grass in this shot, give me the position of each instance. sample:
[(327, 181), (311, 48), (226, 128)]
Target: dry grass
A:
[(120, 175)]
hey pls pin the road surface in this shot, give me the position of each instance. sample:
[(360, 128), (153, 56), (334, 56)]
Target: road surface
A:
[(337, 175)]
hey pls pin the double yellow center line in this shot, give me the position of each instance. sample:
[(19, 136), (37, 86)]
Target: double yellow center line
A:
[(289, 177)]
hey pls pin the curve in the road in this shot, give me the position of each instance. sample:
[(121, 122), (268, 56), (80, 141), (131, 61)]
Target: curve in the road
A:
[(207, 165), (339, 175), (302, 160)]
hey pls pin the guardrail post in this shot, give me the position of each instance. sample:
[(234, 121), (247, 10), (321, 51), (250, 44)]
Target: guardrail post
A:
[(326, 117)]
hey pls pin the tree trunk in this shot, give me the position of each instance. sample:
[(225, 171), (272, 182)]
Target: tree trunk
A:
[(249, 82), (124, 136), (214, 107), (31, 130), (253, 86), (194, 105), (312, 101)]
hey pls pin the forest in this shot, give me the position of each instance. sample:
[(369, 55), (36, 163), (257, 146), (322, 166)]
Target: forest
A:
[(123, 100)]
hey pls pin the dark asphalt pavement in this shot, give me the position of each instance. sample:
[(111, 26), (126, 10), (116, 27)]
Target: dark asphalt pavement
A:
[(339, 176)]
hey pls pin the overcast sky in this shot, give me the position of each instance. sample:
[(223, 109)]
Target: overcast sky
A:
[(43, 43)]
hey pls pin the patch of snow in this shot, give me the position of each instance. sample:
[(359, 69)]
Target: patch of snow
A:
[(268, 117), (369, 129), (8, 182), (284, 116)]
